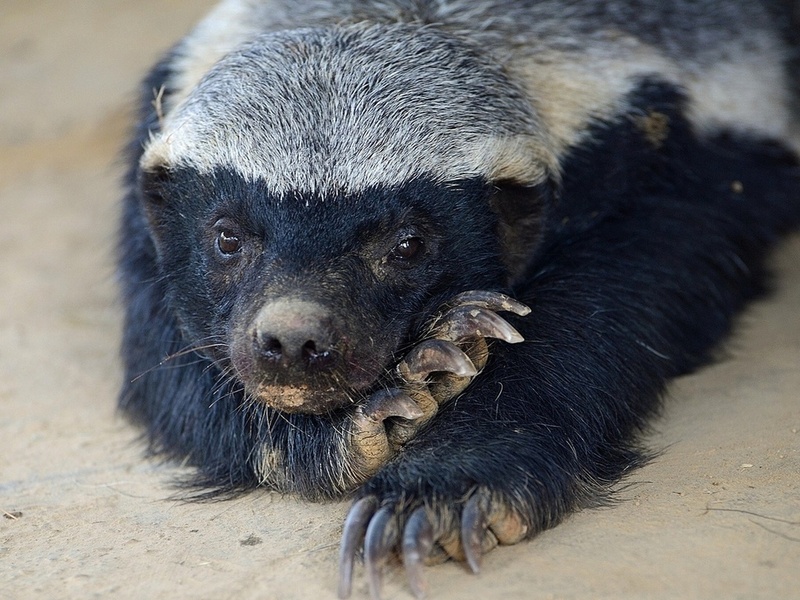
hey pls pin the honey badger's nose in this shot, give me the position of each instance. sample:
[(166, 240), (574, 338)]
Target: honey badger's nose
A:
[(292, 349), (295, 334)]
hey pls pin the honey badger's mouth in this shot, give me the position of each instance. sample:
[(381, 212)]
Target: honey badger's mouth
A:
[(318, 395), (301, 398)]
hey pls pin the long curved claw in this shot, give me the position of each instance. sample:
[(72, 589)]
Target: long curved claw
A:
[(464, 322), (376, 549), (417, 544), (391, 403), (435, 355), (400, 431), (355, 526), (492, 300), (369, 436), (473, 530)]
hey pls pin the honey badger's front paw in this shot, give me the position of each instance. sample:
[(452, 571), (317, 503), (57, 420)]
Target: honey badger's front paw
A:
[(424, 533), (455, 349), (441, 366)]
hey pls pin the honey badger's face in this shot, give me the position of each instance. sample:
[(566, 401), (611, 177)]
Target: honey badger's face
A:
[(307, 301), (315, 198)]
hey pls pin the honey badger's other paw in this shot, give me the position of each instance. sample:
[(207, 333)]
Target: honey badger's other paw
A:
[(452, 352), (454, 349), (424, 534)]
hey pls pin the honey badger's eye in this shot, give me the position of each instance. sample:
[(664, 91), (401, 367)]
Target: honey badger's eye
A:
[(407, 250), (228, 240), (228, 243)]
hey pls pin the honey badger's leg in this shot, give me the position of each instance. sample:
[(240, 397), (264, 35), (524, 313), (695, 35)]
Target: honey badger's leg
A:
[(619, 306), (441, 366)]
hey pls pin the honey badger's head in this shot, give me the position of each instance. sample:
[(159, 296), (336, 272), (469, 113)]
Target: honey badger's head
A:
[(321, 192)]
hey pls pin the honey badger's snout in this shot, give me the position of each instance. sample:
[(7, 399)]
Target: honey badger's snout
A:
[(295, 338), (301, 355)]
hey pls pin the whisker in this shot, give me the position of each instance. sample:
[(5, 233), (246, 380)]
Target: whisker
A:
[(194, 348)]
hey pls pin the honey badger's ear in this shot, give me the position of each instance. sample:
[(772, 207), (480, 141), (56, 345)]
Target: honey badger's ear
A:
[(154, 175), (152, 185), (521, 212)]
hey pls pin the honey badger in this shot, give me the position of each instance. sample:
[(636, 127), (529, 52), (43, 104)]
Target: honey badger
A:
[(445, 255)]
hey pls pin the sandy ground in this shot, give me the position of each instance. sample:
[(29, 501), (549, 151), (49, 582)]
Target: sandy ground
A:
[(84, 515)]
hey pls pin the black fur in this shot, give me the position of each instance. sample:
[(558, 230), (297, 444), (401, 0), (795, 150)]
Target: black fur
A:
[(648, 250), (623, 298)]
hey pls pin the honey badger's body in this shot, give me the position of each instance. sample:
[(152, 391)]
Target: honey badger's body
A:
[(323, 176)]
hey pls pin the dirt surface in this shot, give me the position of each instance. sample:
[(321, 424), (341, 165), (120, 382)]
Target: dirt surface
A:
[(717, 515)]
